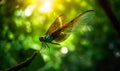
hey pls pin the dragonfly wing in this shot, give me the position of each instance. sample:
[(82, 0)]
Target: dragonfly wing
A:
[(65, 31), (82, 19), (61, 37), (57, 24), (62, 33), (75, 24)]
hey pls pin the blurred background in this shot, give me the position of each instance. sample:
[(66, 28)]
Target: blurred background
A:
[(22, 22)]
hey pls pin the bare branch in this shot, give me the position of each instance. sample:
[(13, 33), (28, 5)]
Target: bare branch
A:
[(25, 63)]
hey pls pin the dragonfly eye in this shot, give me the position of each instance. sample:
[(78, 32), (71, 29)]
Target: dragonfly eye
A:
[(41, 39)]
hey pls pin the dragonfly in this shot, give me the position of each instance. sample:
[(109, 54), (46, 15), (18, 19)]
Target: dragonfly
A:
[(60, 29)]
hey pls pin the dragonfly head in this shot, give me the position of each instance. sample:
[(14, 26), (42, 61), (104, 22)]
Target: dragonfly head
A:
[(41, 39), (46, 38)]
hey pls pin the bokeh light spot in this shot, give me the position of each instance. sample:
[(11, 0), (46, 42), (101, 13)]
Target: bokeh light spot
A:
[(64, 50), (28, 11), (83, 3), (35, 46), (117, 54), (46, 7), (11, 35), (28, 27)]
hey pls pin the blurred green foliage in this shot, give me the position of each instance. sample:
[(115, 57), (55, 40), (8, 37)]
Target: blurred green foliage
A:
[(22, 22)]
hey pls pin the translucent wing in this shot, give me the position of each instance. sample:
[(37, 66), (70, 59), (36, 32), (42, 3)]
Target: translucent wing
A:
[(57, 24), (73, 25), (82, 19)]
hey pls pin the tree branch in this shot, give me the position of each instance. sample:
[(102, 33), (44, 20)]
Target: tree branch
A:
[(107, 8), (24, 64)]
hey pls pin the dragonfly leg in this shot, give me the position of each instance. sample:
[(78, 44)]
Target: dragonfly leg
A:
[(43, 45), (47, 45)]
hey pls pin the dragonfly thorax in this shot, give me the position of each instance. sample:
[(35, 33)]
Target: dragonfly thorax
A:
[(47, 38)]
